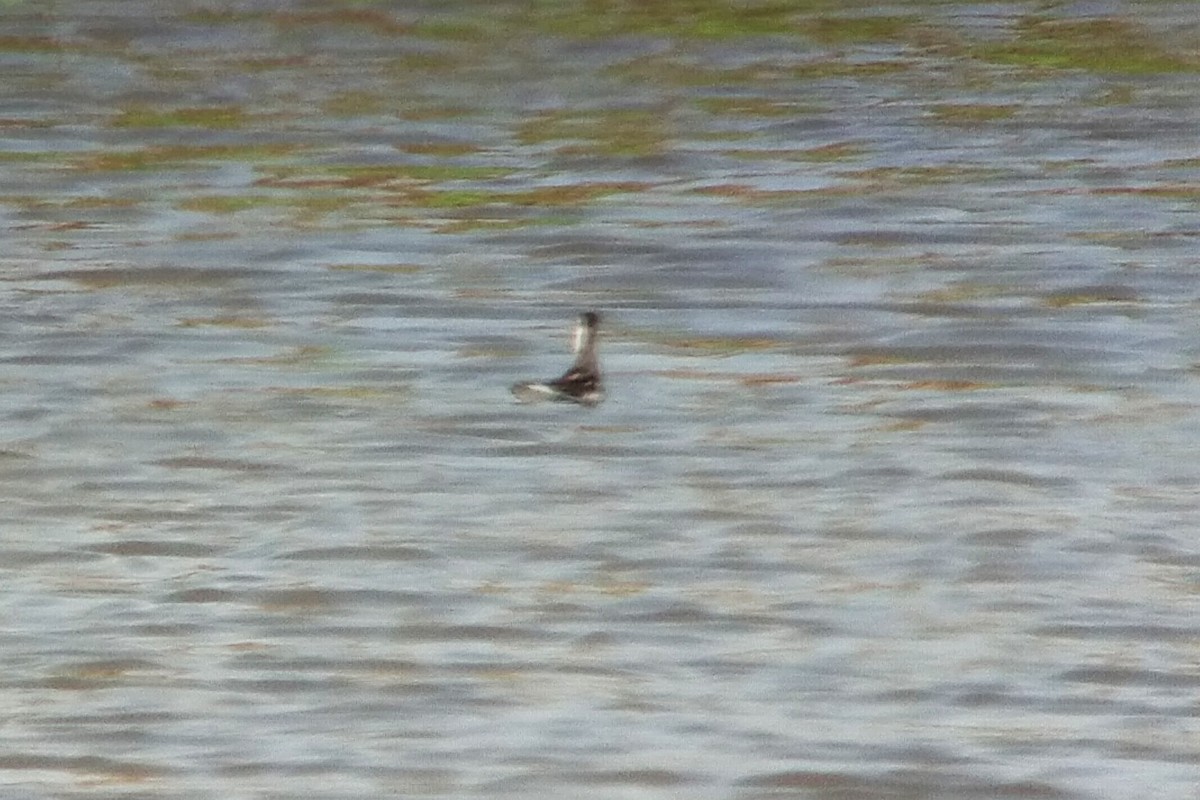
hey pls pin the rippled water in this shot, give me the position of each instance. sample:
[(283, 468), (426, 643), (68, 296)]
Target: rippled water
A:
[(894, 494)]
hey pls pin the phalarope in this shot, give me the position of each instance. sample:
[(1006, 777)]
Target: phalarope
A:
[(581, 383)]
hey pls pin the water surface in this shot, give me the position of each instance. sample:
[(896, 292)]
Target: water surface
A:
[(894, 493)]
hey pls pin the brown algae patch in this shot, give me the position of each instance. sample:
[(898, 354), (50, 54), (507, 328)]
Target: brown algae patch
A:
[(962, 293), (488, 351), (83, 203), (205, 462), (882, 359), (338, 392), (923, 176), (33, 44), (718, 345), (303, 356), (768, 379), (181, 277), (945, 386), (838, 151), (616, 429), (225, 321), (166, 404), (747, 379), (296, 600), (823, 154), (904, 426), (387, 269), (825, 69)]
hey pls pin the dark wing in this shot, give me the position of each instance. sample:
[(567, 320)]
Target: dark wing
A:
[(578, 383)]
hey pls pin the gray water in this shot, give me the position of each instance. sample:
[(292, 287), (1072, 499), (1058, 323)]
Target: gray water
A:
[(894, 493)]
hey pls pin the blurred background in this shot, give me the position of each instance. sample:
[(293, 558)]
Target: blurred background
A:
[(894, 493)]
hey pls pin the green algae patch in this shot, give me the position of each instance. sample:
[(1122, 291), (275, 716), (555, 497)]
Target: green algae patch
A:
[(479, 224), (573, 194), (213, 117), (963, 293), (545, 196), (659, 71), (455, 198), (751, 106), (1105, 45), (460, 30), (824, 21), (353, 104), (31, 157), (924, 176), (858, 30), (1165, 191), (352, 14), (148, 158), (234, 203), (705, 19), (425, 112), (34, 44), (1181, 163), (358, 177), (753, 195), (621, 132), (360, 15), (838, 68), (972, 113)]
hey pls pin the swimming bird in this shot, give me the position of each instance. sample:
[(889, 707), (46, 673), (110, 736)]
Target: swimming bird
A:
[(581, 383)]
